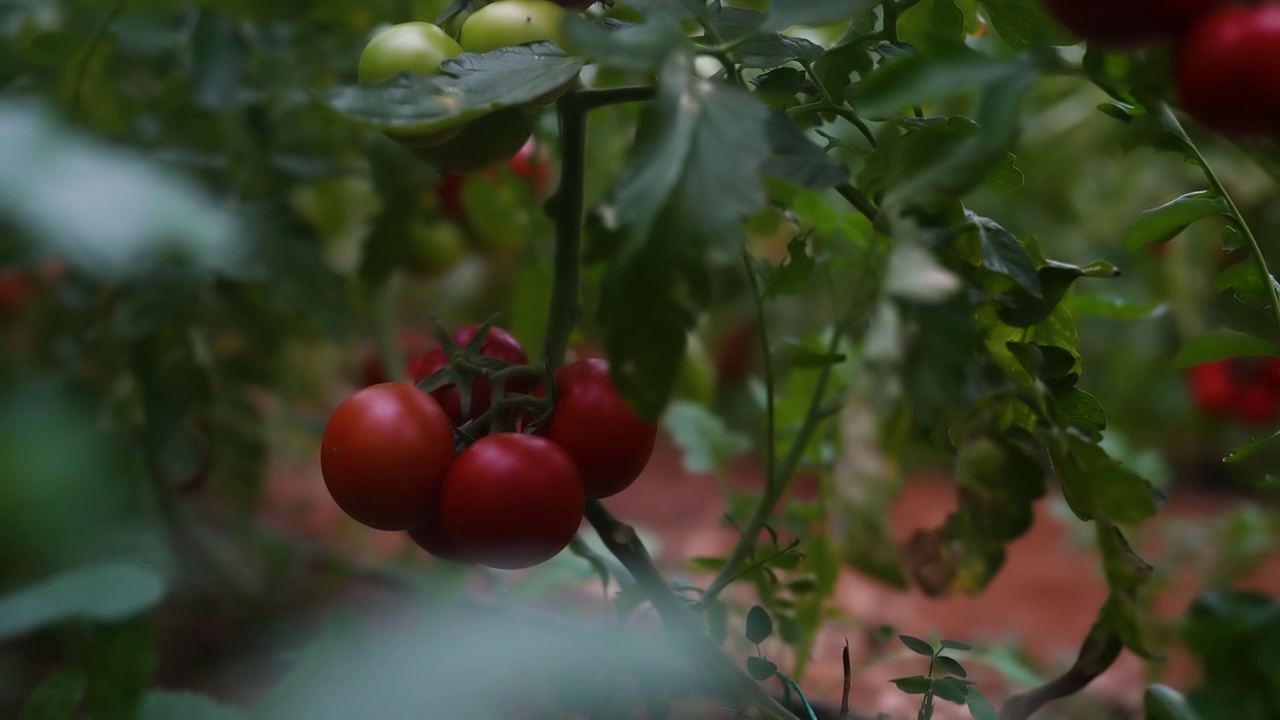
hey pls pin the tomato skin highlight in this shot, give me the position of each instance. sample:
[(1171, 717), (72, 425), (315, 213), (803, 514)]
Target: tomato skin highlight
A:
[(1227, 71), (384, 453), (1131, 23), (1214, 387), (512, 501), (608, 442), (497, 344)]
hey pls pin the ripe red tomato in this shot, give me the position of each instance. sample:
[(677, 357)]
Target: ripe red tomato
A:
[(1258, 404), (1269, 373), (1214, 387), (608, 442), (1130, 23), (497, 344), (512, 501), (532, 165), (1227, 70), (384, 453), (430, 537), (448, 191)]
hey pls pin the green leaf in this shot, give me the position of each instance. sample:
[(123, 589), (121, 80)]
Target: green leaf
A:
[(1115, 308), (1094, 484), (104, 592), (1244, 451), (1165, 222), (919, 79), (979, 707), (708, 444), (1246, 280), (955, 645), (1021, 24), (788, 13), (932, 26), (916, 645), (161, 705), (1222, 345), (915, 685), (763, 50), (797, 160), (693, 178), (1161, 702), (1126, 573), (642, 47), (760, 669), (759, 624), (950, 666), (122, 661), (1081, 410), (950, 689), (57, 697), (1003, 254), (103, 209), (476, 85), (219, 56)]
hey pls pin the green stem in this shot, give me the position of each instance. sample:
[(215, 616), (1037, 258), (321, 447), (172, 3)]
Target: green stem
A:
[(858, 200), (390, 354), (570, 209), (766, 357), (1237, 219), (776, 484), (593, 99)]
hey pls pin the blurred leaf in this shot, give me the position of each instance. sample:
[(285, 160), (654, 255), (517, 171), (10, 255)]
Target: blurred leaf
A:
[(1235, 637), (795, 159), (708, 443), (915, 274), (57, 697), (1022, 24), (949, 689), (1094, 484), (916, 685), (955, 645), (1221, 345), (122, 660), (760, 669), (979, 707), (933, 26), (1165, 222), (919, 79), (1246, 280), (218, 60), (104, 209), (950, 666), (104, 592), (1114, 308), (1243, 451), (1162, 702), (160, 705), (640, 47), (759, 625), (787, 13)]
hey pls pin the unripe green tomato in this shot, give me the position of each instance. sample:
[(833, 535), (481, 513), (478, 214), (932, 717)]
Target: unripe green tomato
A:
[(488, 142), (414, 47), (435, 247), (507, 23), (696, 379)]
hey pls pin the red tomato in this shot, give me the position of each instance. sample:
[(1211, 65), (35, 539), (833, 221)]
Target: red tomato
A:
[(1129, 23), (413, 342), (608, 442), (1258, 404), (1214, 387), (449, 195), (430, 537), (384, 453), (1269, 373), (532, 165), (512, 501), (1227, 70), (497, 344)]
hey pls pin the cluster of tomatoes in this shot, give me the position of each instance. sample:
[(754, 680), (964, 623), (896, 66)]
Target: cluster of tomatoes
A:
[(480, 465), (1245, 388), (420, 48), (1227, 60)]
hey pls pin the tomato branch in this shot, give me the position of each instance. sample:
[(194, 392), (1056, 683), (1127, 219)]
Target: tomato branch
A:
[(860, 201), (592, 99), (570, 207)]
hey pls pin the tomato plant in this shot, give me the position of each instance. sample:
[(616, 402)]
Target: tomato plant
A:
[(609, 444), (511, 501), (1225, 70), (485, 143), (384, 454), (498, 344)]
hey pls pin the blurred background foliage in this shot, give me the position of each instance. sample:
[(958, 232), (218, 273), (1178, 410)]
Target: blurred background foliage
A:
[(197, 260)]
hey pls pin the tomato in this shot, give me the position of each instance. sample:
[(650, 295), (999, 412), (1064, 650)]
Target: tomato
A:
[(414, 47), (484, 143), (448, 190), (413, 342), (1129, 23), (497, 344), (608, 442), (430, 536), (512, 22), (511, 501), (1269, 373), (1258, 404), (1227, 68), (574, 5), (533, 166), (1214, 387), (435, 248), (384, 453)]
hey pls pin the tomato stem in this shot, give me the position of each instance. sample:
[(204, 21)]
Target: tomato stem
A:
[(592, 99), (570, 210)]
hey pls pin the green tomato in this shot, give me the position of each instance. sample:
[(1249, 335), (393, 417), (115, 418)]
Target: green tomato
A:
[(435, 248), (415, 47), (507, 23), (488, 142), (696, 379)]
